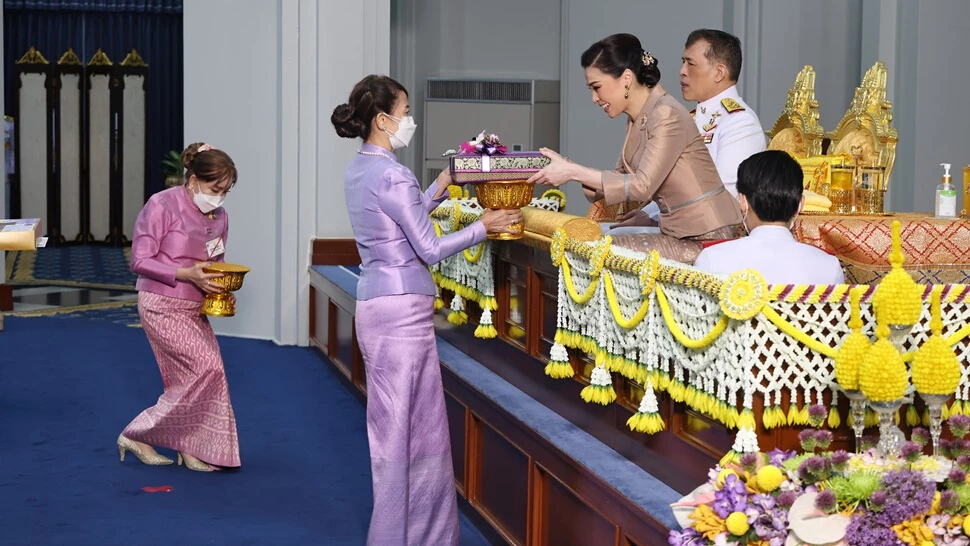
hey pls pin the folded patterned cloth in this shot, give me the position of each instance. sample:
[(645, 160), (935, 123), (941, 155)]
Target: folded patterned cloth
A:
[(815, 202)]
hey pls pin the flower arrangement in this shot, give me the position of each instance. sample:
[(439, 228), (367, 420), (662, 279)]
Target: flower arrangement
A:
[(936, 369), (898, 296), (484, 143), (820, 497)]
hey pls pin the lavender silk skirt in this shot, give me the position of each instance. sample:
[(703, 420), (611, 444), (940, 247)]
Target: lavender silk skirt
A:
[(407, 427)]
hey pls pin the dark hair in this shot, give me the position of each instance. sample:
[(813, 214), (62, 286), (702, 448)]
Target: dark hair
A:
[(372, 95), (620, 52), (771, 181), (722, 48), (210, 165)]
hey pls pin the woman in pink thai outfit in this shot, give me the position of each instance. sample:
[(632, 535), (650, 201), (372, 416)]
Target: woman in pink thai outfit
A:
[(178, 232), (407, 428)]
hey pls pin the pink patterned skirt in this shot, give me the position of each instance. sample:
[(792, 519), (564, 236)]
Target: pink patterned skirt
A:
[(194, 414)]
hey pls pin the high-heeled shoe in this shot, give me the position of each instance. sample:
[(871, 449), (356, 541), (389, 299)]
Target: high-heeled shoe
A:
[(124, 444), (195, 464)]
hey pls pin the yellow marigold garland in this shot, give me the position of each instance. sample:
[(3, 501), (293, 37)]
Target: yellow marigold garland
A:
[(936, 369), (854, 348), (474, 257), (797, 334), (571, 287), (634, 320), (679, 334)]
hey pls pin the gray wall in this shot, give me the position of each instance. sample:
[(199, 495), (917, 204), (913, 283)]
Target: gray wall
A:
[(840, 38), (459, 38)]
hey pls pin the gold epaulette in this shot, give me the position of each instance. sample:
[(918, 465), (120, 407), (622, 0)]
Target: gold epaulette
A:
[(692, 112), (732, 106)]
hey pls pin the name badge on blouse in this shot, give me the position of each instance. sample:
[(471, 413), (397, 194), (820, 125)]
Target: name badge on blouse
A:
[(215, 247)]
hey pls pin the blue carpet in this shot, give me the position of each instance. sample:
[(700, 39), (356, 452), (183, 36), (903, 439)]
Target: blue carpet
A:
[(72, 265), (68, 387)]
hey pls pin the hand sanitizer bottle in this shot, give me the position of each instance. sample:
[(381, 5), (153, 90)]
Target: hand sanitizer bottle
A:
[(946, 195)]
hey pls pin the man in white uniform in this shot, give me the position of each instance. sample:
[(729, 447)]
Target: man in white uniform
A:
[(770, 190), (709, 75), (732, 131)]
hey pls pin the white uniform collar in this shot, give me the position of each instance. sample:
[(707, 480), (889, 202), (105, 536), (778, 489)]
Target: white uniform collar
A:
[(772, 232), (713, 103)]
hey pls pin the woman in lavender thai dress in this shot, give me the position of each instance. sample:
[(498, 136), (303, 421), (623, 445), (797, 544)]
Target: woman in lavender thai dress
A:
[(407, 428), (178, 232)]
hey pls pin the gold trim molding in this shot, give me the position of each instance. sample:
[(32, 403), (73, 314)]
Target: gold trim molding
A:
[(32, 57), (801, 115), (69, 58), (100, 58), (134, 59)]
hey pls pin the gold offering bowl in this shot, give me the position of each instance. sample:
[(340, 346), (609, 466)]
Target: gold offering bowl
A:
[(221, 304), (505, 194)]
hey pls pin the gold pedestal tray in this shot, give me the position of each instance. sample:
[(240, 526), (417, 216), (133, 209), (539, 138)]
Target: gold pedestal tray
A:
[(505, 194), (221, 304)]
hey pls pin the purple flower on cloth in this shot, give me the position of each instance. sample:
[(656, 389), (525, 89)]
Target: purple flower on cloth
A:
[(877, 501), (823, 438), (949, 501), (732, 498), (825, 501), (908, 493), (777, 456), (817, 414), (768, 519), (687, 537), (911, 451), (787, 498), (749, 461), (957, 476), (959, 425), (946, 448), (943, 533), (807, 440), (866, 530), (963, 462), (840, 458), (921, 436), (960, 447)]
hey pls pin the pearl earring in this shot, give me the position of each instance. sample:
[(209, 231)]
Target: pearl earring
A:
[(627, 94)]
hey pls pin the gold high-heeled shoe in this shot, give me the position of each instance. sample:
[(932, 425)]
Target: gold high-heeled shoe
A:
[(195, 464), (124, 444)]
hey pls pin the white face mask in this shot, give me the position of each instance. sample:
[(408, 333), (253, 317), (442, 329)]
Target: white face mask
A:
[(405, 131), (207, 203)]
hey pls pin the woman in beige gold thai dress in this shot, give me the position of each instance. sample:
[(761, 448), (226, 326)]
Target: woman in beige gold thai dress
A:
[(664, 158)]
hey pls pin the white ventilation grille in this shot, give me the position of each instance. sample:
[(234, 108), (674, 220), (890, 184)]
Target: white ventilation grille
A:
[(480, 91)]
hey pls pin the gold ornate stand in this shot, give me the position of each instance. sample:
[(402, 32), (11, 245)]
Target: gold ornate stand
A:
[(222, 303), (505, 194)]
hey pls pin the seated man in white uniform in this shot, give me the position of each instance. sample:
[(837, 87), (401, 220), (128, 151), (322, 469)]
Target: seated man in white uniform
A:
[(731, 129), (770, 191)]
